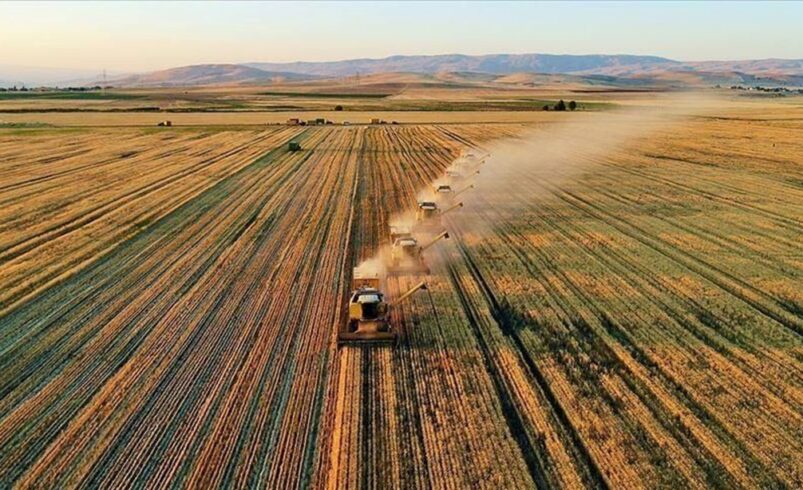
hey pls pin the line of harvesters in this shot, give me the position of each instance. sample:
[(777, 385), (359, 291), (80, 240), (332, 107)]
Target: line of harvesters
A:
[(368, 309)]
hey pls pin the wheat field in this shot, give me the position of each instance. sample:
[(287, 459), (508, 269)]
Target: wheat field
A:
[(625, 317)]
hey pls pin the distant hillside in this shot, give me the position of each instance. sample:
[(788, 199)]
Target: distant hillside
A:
[(724, 78), (618, 65), (504, 68), (767, 67), (207, 75), (496, 64)]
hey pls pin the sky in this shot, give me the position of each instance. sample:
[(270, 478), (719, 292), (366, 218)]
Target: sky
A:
[(142, 36)]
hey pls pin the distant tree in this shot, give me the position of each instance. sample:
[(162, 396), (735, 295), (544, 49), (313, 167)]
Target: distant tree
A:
[(572, 105), (545, 108), (338, 107), (560, 106)]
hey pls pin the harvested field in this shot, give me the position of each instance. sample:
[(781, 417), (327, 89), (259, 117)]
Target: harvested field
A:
[(170, 298), (104, 119)]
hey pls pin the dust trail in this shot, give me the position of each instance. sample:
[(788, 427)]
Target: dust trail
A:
[(404, 220), (374, 266), (560, 152)]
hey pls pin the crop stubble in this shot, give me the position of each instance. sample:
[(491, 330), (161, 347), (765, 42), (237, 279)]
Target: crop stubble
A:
[(169, 301)]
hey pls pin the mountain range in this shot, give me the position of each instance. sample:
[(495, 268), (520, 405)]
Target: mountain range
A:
[(497, 64), (644, 68), (530, 63)]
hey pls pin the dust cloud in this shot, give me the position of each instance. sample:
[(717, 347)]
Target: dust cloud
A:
[(555, 153), (374, 266)]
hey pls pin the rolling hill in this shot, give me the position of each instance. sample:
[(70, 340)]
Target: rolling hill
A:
[(627, 69), (207, 75), (616, 65), (496, 64)]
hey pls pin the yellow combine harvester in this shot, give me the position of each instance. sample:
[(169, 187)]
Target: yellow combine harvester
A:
[(397, 231), (443, 190), (406, 255), (469, 163), (428, 216), (447, 194), (369, 312)]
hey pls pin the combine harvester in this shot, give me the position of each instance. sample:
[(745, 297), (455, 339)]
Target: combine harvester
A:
[(399, 232), (447, 194), (443, 191), (469, 164), (406, 255), (464, 167), (368, 315), (454, 176), (471, 159), (428, 216)]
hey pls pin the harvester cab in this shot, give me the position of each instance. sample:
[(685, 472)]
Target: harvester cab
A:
[(397, 232), (447, 194), (454, 176), (444, 192), (368, 312), (457, 176), (427, 216), (472, 162), (407, 256), (426, 210)]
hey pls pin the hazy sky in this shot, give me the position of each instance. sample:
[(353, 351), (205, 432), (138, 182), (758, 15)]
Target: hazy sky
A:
[(152, 35)]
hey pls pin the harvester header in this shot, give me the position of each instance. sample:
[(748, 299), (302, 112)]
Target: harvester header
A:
[(464, 189), (452, 208), (422, 286)]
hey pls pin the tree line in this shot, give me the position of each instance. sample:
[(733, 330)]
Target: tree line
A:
[(561, 106)]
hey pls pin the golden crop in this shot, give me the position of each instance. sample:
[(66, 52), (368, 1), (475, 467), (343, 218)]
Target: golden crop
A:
[(169, 302)]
